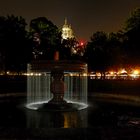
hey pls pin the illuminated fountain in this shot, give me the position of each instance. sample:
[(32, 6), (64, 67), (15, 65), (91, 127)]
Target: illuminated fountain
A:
[(57, 85)]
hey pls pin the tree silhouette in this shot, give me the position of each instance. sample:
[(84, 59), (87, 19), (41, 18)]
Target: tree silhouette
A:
[(132, 32), (96, 52), (104, 52), (49, 37), (13, 42)]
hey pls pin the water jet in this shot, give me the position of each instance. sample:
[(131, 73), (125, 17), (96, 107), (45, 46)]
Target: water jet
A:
[(57, 85)]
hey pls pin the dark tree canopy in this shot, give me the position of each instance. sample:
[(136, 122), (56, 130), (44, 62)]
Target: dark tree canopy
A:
[(133, 21), (49, 36), (132, 32), (104, 52), (14, 49), (95, 51)]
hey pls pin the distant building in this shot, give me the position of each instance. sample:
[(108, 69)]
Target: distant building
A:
[(67, 31)]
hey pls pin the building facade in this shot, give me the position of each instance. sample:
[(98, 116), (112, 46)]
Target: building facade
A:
[(67, 31)]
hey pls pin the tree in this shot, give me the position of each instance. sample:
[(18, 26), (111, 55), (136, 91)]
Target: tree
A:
[(116, 50), (133, 22), (49, 37), (105, 52), (70, 49), (13, 42), (2, 42), (132, 31), (96, 52)]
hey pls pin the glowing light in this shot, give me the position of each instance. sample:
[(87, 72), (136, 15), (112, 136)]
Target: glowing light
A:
[(81, 43), (136, 72), (98, 74), (67, 32), (8, 72), (111, 72), (82, 105), (36, 105), (84, 74), (31, 74), (123, 71)]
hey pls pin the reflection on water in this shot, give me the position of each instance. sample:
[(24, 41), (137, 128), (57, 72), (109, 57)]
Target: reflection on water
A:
[(36, 119), (106, 111)]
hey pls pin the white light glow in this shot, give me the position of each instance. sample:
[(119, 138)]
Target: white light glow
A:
[(36, 105)]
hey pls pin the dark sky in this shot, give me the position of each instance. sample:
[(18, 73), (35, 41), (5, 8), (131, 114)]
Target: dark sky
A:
[(85, 16)]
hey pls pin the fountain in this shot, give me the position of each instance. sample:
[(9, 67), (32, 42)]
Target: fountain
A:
[(57, 85)]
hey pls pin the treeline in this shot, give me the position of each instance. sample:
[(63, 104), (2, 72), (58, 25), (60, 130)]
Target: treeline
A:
[(19, 46), (104, 51)]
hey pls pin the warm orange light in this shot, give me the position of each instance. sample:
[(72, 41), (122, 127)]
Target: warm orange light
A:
[(136, 72), (123, 71), (111, 72)]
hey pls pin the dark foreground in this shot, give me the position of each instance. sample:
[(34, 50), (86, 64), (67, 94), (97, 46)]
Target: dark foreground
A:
[(105, 119), (111, 116)]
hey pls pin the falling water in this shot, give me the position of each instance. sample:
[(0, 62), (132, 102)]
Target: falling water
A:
[(38, 84), (38, 87), (76, 87)]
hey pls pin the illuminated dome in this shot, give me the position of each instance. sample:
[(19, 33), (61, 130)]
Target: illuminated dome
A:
[(67, 31)]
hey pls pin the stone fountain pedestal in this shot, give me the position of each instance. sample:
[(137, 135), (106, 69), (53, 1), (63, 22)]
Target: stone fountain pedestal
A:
[(57, 88)]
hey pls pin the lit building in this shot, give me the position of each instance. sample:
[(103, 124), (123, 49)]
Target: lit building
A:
[(67, 31)]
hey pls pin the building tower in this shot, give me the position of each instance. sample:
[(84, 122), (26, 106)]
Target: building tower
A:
[(67, 31)]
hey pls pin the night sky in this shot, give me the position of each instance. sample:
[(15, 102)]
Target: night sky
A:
[(85, 16)]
